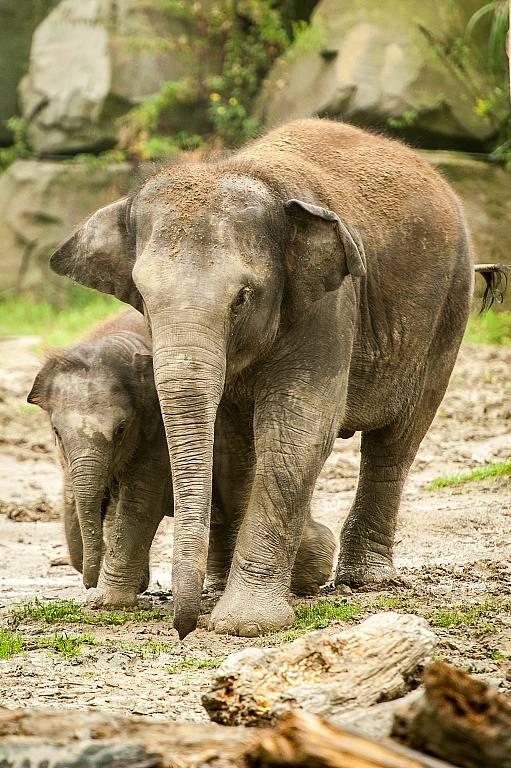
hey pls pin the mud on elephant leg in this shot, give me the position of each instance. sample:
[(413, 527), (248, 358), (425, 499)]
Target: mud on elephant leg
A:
[(234, 460), (367, 536), (314, 560), (72, 526), (291, 450)]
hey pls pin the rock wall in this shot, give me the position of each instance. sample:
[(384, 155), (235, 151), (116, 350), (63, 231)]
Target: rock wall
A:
[(17, 23), (40, 203), (368, 61), (90, 62)]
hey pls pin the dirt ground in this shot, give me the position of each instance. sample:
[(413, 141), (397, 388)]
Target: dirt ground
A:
[(453, 549)]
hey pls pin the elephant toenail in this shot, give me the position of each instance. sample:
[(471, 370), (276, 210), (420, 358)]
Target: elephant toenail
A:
[(223, 628)]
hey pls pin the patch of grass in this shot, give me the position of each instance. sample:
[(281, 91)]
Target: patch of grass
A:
[(71, 612), (319, 615), (477, 617), (279, 638), (391, 603), (58, 320), (497, 656), (67, 645), (490, 328), (494, 469), (193, 664), (10, 643)]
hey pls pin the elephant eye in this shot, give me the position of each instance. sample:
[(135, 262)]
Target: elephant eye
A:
[(243, 298), (120, 430)]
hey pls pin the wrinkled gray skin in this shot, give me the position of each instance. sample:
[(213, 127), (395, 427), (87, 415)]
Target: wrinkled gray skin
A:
[(103, 408), (316, 283), (104, 412)]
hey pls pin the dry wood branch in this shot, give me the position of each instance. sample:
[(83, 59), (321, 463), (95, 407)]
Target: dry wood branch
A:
[(302, 740), (458, 719), (327, 674)]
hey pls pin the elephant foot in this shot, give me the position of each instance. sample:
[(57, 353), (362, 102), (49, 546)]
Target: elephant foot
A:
[(313, 564), (114, 598), (215, 582), (249, 614), (374, 575)]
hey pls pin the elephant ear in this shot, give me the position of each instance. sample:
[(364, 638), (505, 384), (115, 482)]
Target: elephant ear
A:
[(100, 255), (323, 251)]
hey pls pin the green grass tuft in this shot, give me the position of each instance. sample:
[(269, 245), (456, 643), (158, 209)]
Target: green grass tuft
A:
[(319, 615), (193, 664), (477, 616), (10, 644), (489, 328), (392, 603), (495, 469), (59, 321), (71, 612)]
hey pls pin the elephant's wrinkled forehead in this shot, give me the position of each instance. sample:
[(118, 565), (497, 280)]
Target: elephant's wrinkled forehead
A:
[(193, 195), (87, 391)]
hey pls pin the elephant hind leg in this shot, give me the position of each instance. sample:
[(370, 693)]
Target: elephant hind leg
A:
[(314, 559), (367, 536)]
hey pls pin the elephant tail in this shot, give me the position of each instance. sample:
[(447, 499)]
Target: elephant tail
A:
[(495, 277)]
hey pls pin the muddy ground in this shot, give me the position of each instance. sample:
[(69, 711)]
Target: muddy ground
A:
[(453, 550)]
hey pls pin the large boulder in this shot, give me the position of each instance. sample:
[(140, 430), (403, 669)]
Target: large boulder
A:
[(90, 62), (17, 23), (40, 204), (485, 190), (369, 62)]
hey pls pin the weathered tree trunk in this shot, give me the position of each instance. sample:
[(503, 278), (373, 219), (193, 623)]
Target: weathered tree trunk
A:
[(458, 719), (32, 738), (328, 674), (302, 740)]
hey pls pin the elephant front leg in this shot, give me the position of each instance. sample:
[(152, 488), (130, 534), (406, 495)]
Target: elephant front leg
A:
[(290, 451), (144, 499), (72, 526)]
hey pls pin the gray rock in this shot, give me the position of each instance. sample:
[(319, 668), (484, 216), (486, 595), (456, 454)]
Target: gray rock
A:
[(90, 62), (368, 61), (17, 23), (485, 191), (40, 204)]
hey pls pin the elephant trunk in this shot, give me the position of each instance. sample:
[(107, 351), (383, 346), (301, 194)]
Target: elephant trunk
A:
[(89, 475), (189, 369)]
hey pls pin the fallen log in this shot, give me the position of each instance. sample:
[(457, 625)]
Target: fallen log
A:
[(331, 675), (77, 739), (458, 718), (302, 740)]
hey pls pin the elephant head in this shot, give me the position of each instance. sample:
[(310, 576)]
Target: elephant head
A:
[(97, 404), (219, 260)]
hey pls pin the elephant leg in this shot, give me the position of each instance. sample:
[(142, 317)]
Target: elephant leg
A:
[(234, 460), (367, 536), (292, 440), (314, 559), (72, 526), (143, 502)]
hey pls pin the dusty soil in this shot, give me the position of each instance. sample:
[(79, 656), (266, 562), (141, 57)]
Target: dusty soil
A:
[(453, 548)]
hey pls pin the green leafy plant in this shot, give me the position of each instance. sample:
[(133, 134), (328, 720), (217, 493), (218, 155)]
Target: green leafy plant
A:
[(19, 147), (482, 72), (229, 46), (489, 328)]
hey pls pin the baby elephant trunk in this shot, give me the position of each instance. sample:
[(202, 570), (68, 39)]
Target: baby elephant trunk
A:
[(89, 476)]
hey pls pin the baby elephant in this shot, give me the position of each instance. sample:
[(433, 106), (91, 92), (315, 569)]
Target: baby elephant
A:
[(103, 408)]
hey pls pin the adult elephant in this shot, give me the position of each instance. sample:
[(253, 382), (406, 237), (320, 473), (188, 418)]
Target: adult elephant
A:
[(315, 283)]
